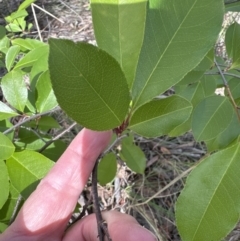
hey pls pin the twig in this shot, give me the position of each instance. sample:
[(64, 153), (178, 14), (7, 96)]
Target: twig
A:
[(36, 22), (224, 73), (102, 226), (14, 214), (29, 119), (48, 143), (228, 90)]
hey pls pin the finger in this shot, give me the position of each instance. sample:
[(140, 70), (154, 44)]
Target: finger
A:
[(120, 227), (49, 207)]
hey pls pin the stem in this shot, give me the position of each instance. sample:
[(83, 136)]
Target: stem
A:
[(224, 73), (29, 119), (228, 89)]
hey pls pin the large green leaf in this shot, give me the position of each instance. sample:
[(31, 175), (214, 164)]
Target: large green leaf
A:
[(4, 187), (208, 207), (6, 112), (159, 117), (89, 84), (178, 35), (211, 117), (25, 170), (133, 155), (6, 147), (14, 89), (107, 169), (119, 29), (234, 85), (46, 99), (232, 41), (27, 44)]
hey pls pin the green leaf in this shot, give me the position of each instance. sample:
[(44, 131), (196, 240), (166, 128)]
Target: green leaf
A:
[(11, 56), (107, 169), (159, 117), (170, 51), (211, 117), (25, 170), (32, 57), (89, 84), (209, 85), (14, 89), (55, 150), (119, 30), (44, 123), (233, 7), (14, 27), (25, 4), (6, 112), (232, 41), (27, 44), (2, 32), (46, 99), (133, 155), (3, 227), (18, 15), (8, 208), (4, 187), (6, 147), (4, 44), (225, 138), (208, 207)]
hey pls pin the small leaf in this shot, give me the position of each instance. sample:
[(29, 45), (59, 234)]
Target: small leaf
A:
[(3, 227), (44, 123), (6, 147), (11, 56), (159, 117), (234, 85), (25, 4), (4, 44), (46, 99), (2, 32), (208, 207), (107, 169), (15, 90), (33, 56), (96, 93), (4, 187), (232, 41), (13, 27), (25, 170), (170, 51), (27, 44), (119, 30), (6, 112), (225, 138), (133, 156), (211, 117), (9, 207)]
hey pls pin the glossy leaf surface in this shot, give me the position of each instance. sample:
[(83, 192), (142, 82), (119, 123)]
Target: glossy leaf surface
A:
[(107, 169), (11, 55), (173, 43), (6, 112), (159, 117), (211, 117), (208, 207), (89, 84), (119, 29)]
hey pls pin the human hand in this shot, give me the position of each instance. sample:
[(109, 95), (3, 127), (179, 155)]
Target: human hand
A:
[(45, 214)]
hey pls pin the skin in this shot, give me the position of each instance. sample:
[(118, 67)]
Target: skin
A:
[(46, 212)]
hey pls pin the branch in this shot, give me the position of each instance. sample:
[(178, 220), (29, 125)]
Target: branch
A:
[(224, 73), (29, 119), (228, 90)]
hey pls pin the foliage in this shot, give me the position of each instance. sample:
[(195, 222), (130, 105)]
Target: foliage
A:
[(144, 48)]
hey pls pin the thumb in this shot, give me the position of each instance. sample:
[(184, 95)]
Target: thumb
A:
[(120, 227)]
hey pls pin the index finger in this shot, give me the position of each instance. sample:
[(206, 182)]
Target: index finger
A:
[(49, 207)]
